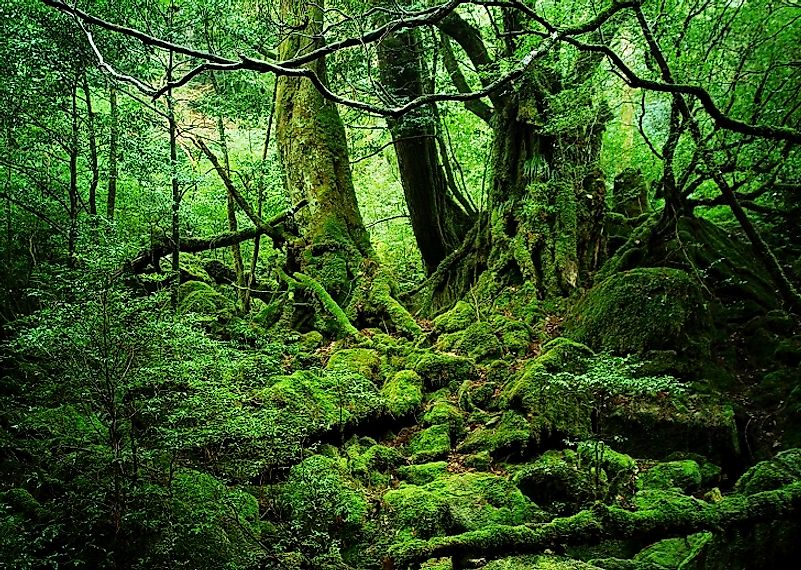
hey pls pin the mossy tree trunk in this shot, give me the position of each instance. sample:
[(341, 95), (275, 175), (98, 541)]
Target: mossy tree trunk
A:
[(311, 142)]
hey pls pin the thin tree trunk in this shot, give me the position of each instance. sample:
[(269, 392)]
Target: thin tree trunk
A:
[(74, 199), (176, 190), (92, 136), (111, 199)]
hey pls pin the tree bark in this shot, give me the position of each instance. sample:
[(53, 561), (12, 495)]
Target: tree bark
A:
[(114, 134), (314, 155), (439, 224)]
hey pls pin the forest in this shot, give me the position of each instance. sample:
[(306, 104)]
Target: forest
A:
[(400, 284)]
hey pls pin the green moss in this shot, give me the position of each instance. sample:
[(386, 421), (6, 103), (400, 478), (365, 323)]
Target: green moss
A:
[(343, 326), (403, 393), (430, 444), (311, 340), (673, 553), (772, 474), (684, 475), (564, 355), (438, 370), (515, 336), (559, 479), (619, 467), (203, 299), (362, 361), (371, 465), (458, 318), (669, 313), (480, 461), (456, 503), (423, 473), (509, 434), (538, 562), (478, 394), (441, 411)]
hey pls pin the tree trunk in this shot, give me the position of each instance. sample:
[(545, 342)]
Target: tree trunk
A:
[(439, 224), (176, 190), (114, 128), (93, 159), (314, 155)]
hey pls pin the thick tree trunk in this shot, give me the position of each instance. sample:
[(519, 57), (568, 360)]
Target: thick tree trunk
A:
[(313, 151), (439, 224)]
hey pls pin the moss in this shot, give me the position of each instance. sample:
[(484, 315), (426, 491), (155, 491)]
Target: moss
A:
[(553, 403), (442, 411), (458, 318), (774, 473), (438, 564), (515, 336), (370, 465), (474, 395), (538, 562), (203, 299), (684, 475), (558, 479), (456, 503), (564, 355), (665, 501), (480, 461), (438, 370), (430, 444), (656, 427), (511, 434), (362, 361), (311, 340), (669, 313), (423, 473), (619, 467), (403, 393), (673, 553), (710, 473), (343, 326)]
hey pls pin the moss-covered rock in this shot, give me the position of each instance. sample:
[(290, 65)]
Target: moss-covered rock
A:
[(430, 444), (674, 553), (515, 336), (668, 314), (480, 461), (457, 503), (403, 393), (619, 467), (771, 474), (370, 462), (559, 479), (203, 299), (364, 361), (564, 355), (476, 394), (684, 475), (423, 473), (438, 370), (442, 411), (507, 435), (458, 318)]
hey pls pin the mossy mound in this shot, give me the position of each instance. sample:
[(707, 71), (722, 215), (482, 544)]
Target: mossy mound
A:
[(507, 434), (371, 463), (674, 553), (441, 410), (564, 355), (403, 393), (423, 473), (438, 370), (487, 339), (457, 503), (203, 299), (684, 475), (362, 361), (322, 401), (477, 394), (560, 480), (430, 444), (620, 468), (652, 308), (772, 474), (458, 318)]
